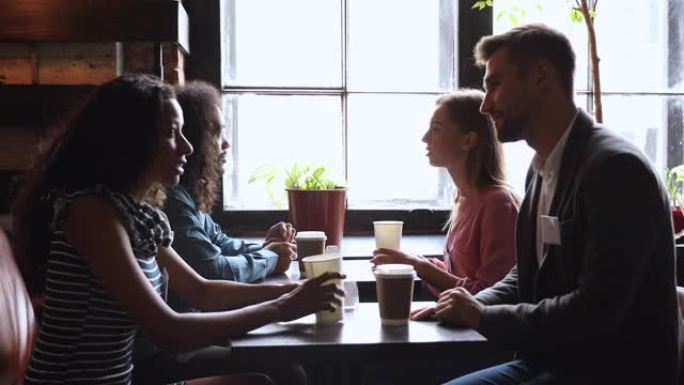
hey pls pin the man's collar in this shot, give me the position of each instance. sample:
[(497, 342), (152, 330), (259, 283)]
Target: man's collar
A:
[(551, 165)]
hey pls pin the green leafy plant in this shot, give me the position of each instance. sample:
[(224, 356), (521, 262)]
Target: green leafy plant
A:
[(298, 176), (674, 181)]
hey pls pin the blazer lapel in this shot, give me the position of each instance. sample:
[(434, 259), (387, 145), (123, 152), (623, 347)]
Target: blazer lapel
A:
[(526, 237), (572, 157)]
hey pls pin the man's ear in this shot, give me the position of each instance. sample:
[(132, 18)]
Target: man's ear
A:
[(542, 72)]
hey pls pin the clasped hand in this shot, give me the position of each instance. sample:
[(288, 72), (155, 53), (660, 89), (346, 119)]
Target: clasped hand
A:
[(456, 306), (280, 240), (280, 232)]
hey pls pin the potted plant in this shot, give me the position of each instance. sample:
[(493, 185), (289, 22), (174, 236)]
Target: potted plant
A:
[(674, 180), (315, 201)]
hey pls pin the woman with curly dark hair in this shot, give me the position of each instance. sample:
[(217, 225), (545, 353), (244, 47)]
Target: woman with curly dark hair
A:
[(91, 236), (197, 237)]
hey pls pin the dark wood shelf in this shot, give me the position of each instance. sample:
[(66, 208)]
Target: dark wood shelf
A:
[(164, 21)]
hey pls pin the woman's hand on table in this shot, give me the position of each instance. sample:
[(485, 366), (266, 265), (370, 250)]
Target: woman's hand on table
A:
[(382, 256), (310, 296)]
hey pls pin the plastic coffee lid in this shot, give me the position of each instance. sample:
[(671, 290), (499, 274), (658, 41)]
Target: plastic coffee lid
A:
[(388, 222), (398, 269), (310, 235), (332, 249), (320, 258)]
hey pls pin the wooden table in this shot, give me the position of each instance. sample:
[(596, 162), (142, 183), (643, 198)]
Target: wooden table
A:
[(361, 339)]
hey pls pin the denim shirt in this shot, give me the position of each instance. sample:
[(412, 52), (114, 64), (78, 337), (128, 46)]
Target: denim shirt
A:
[(204, 246)]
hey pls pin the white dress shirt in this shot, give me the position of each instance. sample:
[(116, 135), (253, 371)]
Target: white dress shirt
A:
[(548, 169)]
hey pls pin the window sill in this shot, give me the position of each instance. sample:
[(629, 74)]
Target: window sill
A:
[(362, 246), (357, 222)]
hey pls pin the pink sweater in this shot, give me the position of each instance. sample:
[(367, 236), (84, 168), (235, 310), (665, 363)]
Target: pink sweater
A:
[(480, 244)]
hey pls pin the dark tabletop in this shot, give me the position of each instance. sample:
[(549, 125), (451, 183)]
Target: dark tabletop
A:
[(360, 338)]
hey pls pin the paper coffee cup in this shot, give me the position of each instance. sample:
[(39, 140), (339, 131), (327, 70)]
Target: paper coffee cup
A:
[(316, 265), (394, 287), (388, 234), (309, 243)]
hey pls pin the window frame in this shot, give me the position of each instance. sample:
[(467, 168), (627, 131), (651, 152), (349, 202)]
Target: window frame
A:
[(205, 62), (675, 154)]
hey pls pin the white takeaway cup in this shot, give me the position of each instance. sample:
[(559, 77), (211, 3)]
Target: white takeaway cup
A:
[(316, 265), (388, 234)]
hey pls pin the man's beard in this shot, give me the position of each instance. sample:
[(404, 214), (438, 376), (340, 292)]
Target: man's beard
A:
[(510, 131)]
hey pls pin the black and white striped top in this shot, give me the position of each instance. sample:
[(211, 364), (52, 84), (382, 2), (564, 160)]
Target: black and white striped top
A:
[(84, 336)]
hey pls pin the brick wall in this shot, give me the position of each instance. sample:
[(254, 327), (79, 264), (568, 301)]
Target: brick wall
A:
[(83, 63), (66, 64)]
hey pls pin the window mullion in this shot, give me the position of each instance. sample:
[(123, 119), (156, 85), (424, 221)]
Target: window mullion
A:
[(344, 95), (589, 84), (446, 45)]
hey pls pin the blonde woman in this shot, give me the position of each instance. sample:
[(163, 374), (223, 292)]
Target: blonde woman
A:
[(480, 243)]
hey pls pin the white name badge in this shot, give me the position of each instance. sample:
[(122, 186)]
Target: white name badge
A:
[(550, 230)]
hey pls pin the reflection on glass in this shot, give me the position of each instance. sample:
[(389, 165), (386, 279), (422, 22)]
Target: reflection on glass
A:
[(387, 163), (280, 130), (293, 43), (395, 45), (644, 121), (633, 44)]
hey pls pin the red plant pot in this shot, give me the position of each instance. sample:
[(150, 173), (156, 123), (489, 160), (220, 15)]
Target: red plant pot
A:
[(677, 221), (319, 210)]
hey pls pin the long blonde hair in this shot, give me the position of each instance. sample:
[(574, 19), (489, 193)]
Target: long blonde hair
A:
[(484, 163)]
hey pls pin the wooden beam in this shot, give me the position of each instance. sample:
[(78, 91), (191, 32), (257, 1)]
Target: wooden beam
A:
[(95, 21)]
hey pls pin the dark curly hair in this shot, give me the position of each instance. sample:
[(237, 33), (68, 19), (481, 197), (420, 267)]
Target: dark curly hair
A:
[(110, 140), (199, 101)]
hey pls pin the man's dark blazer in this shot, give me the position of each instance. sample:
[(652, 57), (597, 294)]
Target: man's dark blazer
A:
[(602, 308)]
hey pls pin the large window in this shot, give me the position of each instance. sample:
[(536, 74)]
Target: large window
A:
[(345, 84), (351, 84)]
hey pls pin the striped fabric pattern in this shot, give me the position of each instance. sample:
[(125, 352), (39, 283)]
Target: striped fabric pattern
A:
[(85, 337)]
